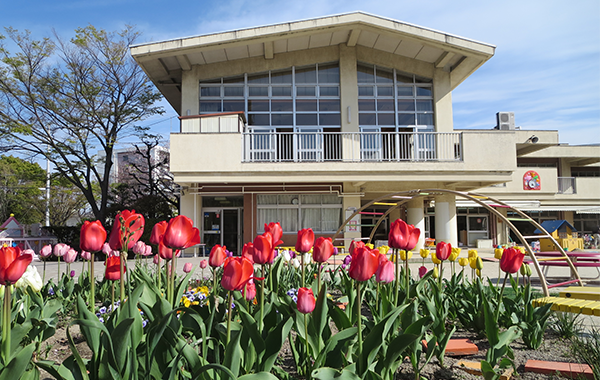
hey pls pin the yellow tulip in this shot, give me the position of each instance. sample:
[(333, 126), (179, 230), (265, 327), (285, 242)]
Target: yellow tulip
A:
[(404, 256), (498, 253), (435, 273), (473, 262), (455, 253), (383, 249), (434, 259), (424, 253), (463, 261), (370, 246), (472, 253), (478, 273)]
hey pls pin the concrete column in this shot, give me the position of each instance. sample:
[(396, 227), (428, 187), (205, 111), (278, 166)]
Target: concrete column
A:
[(445, 219), (190, 93), (442, 101), (350, 203), (349, 102), (191, 206), (416, 217), (502, 231)]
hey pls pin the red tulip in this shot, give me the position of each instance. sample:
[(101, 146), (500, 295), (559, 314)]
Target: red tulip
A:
[(511, 260), (323, 250), (364, 263), (250, 291), (166, 253), (128, 227), (275, 230), (217, 256), (237, 271), (13, 264), (157, 232), (248, 251), (92, 236), (113, 265), (305, 241), (181, 233), (443, 251), (355, 244), (422, 271), (385, 271), (263, 252), (187, 268), (403, 236), (306, 301)]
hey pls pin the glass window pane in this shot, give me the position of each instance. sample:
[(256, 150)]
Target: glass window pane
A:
[(286, 199), (329, 91), (424, 91), (367, 119), (258, 91), (329, 74), (281, 105), (385, 105), (210, 106), (303, 105), (330, 119), (406, 105), (365, 74), (366, 104), (288, 219), (424, 105), (310, 199), (266, 199), (306, 75), (283, 77), (233, 105), (259, 78), (258, 105), (311, 218), (404, 78), (306, 119), (282, 119), (281, 91), (419, 79), (234, 91), (425, 119), (329, 105), (384, 76), (365, 91), (331, 219), (406, 119), (305, 91), (386, 119), (385, 91), (405, 90), (258, 119), (238, 79), (211, 81), (331, 199), (210, 91)]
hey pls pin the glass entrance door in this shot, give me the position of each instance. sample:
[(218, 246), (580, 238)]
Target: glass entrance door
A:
[(222, 226)]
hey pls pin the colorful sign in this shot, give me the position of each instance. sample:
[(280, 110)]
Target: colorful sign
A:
[(531, 181)]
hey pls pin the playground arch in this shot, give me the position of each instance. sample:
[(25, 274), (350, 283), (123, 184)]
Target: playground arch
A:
[(489, 203)]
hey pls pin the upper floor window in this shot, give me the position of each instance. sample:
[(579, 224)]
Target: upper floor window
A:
[(307, 96), (393, 99)]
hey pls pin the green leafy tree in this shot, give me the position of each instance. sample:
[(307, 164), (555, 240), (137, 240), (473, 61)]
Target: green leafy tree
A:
[(20, 193), (71, 102)]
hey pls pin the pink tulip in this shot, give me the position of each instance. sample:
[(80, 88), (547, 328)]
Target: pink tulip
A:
[(60, 249), (306, 301), (70, 256), (148, 251), (250, 291), (187, 268), (203, 264), (139, 248), (156, 259), (385, 272), (86, 255), (422, 271), (46, 251), (106, 249)]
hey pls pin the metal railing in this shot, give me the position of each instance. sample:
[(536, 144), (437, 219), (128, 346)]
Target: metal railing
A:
[(566, 185), (318, 146)]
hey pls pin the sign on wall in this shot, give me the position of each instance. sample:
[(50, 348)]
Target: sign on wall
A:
[(531, 180)]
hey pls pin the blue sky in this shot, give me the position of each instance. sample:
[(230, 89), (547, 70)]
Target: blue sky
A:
[(546, 68)]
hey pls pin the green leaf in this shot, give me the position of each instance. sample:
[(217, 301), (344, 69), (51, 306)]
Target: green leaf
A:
[(327, 373), (258, 376), (377, 335), (17, 366), (333, 354), (122, 342), (233, 352), (274, 342), (59, 371)]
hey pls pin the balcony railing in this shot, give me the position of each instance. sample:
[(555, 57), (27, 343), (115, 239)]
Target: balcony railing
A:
[(318, 146), (566, 185)]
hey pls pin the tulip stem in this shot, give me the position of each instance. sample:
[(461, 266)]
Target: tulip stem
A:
[(307, 371), (92, 284), (112, 305), (58, 258), (6, 317), (173, 275), (159, 275), (228, 318), (397, 262), (302, 265), (262, 300), (122, 276), (359, 324), (500, 296), (407, 274), (44, 275), (441, 275), (168, 282), (319, 280)]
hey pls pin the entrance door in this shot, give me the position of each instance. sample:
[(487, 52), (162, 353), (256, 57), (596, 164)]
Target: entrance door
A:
[(222, 226)]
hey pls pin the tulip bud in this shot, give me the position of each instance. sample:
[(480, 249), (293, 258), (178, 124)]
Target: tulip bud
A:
[(436, 273), (46, 251), (250, 291), (156, 259), (424, 253), (463, 261), (472, 253), (72, 273), (187, 268), (454, 254), (306, 301), (473, 262), (422, 271), (479, 263), (498, 253), (296, 262), (405, 256), (86, 255), (478, 273), (203, 264)]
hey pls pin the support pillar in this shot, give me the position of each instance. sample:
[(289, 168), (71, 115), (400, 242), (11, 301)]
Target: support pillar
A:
[(445, 219), (502, 230), (416, 216), (352, 231)]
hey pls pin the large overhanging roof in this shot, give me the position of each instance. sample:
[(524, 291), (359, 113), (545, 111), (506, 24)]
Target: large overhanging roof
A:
[(164, 61)]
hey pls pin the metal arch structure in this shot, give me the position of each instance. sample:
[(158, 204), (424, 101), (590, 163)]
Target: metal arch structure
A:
[(489, 203)]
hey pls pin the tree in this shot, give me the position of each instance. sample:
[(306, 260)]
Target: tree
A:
[(68, 101), (67, 203), (20, 193)]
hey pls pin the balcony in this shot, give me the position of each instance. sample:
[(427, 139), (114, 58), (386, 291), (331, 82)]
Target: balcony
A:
[(319, 146), (567, 185)]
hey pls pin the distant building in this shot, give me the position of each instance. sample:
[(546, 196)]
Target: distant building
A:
[(304, 122)]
